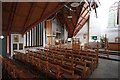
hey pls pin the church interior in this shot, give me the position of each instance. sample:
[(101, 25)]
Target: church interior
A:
[(60, 40)]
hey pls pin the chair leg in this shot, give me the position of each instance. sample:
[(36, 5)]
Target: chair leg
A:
[(88, 73), (84, 75)]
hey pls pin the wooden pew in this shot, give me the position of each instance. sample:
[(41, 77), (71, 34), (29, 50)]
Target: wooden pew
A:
[(62, 61), (16, 71), (58, 60), (88, 60), (68, 74), (58, 71), (83, 53), (81, 66), (52, 69)]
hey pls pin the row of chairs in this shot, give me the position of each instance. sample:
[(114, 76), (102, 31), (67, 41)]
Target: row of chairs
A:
[(62, 61), (85, 53), (44, 65), (90, 61), (15, 70)]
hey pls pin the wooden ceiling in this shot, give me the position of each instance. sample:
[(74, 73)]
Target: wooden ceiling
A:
[(20, 17), (70, 22)]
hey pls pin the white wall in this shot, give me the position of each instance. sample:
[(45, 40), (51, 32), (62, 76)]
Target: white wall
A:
[(111, 33), (21, 40), (99, 26), (95, 26), (81, 32)]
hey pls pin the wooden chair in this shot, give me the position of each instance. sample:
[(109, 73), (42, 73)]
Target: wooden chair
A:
[(16, 71), (68, 54), (89, 61), (86, 59), (81, 66), (64, 61), (53, 69), (58, 60), (68, 74)]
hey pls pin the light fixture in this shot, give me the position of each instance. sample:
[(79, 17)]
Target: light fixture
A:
[(57, 41), (69, 16), (1, 37), (75, 4)]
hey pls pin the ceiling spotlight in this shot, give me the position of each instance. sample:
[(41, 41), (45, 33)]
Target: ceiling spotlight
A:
[(75, 4)]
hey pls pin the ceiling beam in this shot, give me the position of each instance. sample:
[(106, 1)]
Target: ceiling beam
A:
[(38, 6), (70, 18), (72, 22), (68, 27), (73, 26), (79, 14), (66, 22), (17, 14), (11, 17), (45, 17), (75, 12), (29, 15), (81, 26), (71, 11), (82, 19), (68, 12), (44, 11), (12, 26), (84, 16), (78, 28)]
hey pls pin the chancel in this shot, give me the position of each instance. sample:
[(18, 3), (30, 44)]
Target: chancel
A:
[(60, 40)]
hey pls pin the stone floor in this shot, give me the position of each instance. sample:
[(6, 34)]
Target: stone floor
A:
[(107, 69)]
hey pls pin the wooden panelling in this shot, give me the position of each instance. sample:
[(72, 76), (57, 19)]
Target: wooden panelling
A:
[(41, 4), (6, 6), (49, 31), (30, 22), (114, 46), (36, 12), (18, 21), (22, 12), (49, 27), (5, 18), (51, 7), (23, 8)]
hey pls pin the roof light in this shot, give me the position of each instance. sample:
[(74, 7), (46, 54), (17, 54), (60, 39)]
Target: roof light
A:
[(75, 4)]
